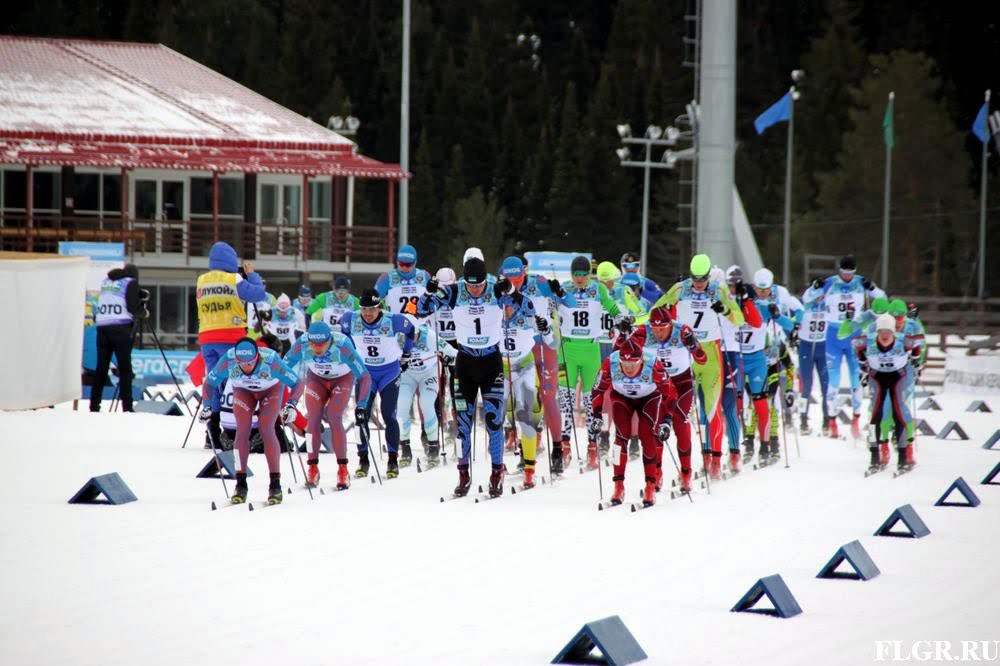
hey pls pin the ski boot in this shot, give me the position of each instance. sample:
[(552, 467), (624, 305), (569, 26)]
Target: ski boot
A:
[(496, 481), (804, 425), (856, 426), (649, 492), (464, 481), (362, 470), (659, 479), (706, 460), (604, 444), (529, 477), (405, 453), (764, 454), (433, 454), (910, 460), (715, 467), (618, 496), (747, 449), (684, 483), (592, 462), (274, 495), (567, 454), (875, 463), (734, 461), (902, 465), (343, 477), (633, 448), (520, 463), (240, 491), (392, 467), (556, 459), (312, 476), (831, 428), (883, 453)]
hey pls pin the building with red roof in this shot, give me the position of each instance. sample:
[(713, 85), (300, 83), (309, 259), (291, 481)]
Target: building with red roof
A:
[(135, 143)]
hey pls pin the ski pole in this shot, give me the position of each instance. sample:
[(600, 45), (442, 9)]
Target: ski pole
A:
[(291, 464), (191, 426), (156, 340), (295, 443), (365, 437), (666, 445), (218, 463), (562, 353), (784, 436)]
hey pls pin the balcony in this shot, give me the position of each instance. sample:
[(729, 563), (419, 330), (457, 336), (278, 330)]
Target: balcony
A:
[(176, 242)]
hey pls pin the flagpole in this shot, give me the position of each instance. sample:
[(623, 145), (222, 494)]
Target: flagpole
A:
[(982, 203), (885, 204), (788, 186)]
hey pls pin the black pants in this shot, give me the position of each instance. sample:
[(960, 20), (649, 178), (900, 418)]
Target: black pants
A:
[(474, 376), (115, 340)]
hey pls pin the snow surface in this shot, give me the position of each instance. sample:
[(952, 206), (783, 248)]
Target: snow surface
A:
[(388, 575)]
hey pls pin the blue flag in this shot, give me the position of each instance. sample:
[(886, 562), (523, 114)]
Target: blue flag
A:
[(979, 127), (777, 112)]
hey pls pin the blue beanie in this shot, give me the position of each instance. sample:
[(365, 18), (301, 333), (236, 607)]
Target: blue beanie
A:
[(407, 254), (319, 332), (631, 280), (512, 268), (245, 350)]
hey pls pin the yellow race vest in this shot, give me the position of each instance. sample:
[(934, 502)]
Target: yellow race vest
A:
[(219, 305)]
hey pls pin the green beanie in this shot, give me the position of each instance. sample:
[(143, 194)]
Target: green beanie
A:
[(701, 265), (880, 305)]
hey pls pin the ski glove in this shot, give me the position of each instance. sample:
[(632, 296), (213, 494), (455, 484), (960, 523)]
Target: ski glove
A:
[(817, 284), (404, 362), (360, 416), (623, 321), (719, 307), (205, 415), (542, 324), (867, 284), (288, 413), (773, 310), (793, 337), (789, 399), (501, 287), (432, 286), (556, 288), (663, 432)]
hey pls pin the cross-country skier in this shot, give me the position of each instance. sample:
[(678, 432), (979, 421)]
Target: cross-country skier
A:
[(845, 295), (580, 328), (330, 306), (812, 359), (701, 304), (445, 277), (477, 310), (286, 323), (374, 334), (256, 375), (649, 290), (676, 348), (421, 381), (884, 357), (779, 374), (305, 298), (401, 286), (222, 314), (333, 367), (641, 393)]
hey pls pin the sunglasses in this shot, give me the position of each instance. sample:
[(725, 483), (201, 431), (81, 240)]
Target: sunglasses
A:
[(405, 264), (581, 274), (699, 278), (630, 265)]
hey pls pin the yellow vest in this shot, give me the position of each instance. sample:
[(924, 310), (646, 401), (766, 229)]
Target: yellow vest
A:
[(219, 305)]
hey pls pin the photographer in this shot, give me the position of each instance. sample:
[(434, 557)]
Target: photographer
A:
[(120, 304), (222, 314)]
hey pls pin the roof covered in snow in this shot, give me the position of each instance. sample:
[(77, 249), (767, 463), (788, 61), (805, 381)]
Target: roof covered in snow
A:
[(83, 102)]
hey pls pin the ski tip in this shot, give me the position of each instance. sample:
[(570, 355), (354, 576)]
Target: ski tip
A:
[(633, 508), (477, 500), (480, 488), (600, 506), (214, 508), (513, 491), (442, 500), (373, 480), (289, 491), (250, 506), (321, 492), (543, 480)]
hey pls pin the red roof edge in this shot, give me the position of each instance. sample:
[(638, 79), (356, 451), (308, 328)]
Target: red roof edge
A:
[(176, 141)]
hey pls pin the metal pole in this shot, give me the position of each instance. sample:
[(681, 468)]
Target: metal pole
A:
[(645, 210), (404, 131), (982, 206), (885, 212), (788, 188)]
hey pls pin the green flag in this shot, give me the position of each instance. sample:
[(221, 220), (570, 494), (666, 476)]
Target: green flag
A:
[(890, 139)]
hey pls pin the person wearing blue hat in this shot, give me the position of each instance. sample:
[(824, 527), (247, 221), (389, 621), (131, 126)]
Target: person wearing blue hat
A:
[(256, 374), (384, 341), (333, 367), (648, 289), (330, 306), (305, 298), (403, 285)]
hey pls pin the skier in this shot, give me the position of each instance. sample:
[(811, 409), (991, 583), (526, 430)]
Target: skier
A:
[(884, 358), (745, 367), (401, 286), (778, 367), (641, 389), (374, 334), (222, 314), (580, 329), (118, 308), (256, 375), (812, 357), (845, 295), (477, 310), (608, 275), (333, 366), (286, 323), (330, 306), (303, 301), (676, 348), (701, 304), (421, 380), (649, 290), (446, 370), (546, 295)]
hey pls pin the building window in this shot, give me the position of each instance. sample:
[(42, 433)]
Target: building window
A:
[(111, 188), (47, 186), (13, 190), (230, 196), (145, 200), (87, 192), (319, 200), (172, 310)]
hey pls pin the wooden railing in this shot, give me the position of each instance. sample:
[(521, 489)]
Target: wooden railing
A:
[(193, 238)]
